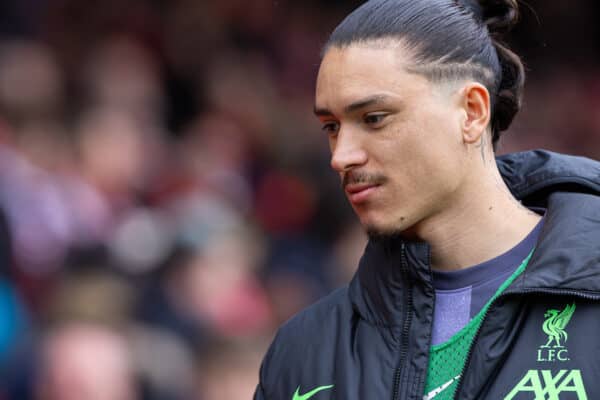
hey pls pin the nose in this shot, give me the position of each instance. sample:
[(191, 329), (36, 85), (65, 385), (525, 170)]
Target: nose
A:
[(347, 152)]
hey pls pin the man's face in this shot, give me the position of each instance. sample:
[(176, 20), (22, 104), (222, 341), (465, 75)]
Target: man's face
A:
[(395, 137)]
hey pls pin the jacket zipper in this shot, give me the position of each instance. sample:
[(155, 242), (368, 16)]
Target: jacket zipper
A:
[(556, 292), (406, 324)]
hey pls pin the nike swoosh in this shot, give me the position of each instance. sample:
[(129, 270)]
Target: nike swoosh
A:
[(431, 395), (306, 396)]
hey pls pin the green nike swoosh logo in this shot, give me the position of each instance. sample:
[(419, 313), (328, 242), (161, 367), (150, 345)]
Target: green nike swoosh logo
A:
[(306, 396)]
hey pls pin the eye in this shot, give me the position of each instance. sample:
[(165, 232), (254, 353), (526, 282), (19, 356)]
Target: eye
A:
[(331, 127), (374, 120)]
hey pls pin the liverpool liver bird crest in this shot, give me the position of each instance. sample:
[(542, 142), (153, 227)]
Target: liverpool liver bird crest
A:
[(555, 324)]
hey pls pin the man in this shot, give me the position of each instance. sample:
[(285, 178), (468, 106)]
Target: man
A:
[(481, 279)]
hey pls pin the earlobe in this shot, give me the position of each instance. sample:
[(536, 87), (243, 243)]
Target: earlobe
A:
[(476, 103)]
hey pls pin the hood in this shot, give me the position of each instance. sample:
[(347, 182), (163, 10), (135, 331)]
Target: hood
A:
[(533, 175)]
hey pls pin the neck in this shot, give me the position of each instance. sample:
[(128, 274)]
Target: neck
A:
[(484, 222)]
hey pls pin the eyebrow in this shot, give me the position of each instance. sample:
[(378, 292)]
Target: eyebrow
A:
[(357, 105)]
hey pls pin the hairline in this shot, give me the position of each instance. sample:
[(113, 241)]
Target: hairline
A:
[(435, 71)]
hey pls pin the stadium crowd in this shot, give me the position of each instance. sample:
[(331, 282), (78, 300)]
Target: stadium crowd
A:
[(165, 193)]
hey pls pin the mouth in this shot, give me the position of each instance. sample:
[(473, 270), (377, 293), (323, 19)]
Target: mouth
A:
[(359, 193)]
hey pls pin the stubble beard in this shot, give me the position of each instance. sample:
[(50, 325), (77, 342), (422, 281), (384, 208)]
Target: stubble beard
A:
[(400, 229), (372, 231), (376, 233)]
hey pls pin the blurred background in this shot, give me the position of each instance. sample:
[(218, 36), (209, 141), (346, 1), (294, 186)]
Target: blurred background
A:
[(165, 195)]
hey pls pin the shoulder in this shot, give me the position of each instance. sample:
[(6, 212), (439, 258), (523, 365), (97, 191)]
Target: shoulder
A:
[(309, 334), (323, 316), (567, 253)]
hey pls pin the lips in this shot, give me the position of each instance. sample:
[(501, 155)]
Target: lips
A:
[(360, 192)]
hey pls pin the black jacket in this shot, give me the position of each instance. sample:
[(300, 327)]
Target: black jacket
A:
[(371, 340)]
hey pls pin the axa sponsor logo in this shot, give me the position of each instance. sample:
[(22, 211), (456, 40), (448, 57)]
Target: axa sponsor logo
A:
[(546, 385)]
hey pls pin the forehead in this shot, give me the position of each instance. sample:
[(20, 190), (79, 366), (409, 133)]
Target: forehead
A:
[(358, 70)]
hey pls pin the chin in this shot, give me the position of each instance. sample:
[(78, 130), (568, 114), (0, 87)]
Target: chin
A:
[(388, 230), (378, 232), (377, 235)]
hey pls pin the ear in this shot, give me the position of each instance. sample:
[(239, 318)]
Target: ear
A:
[(476, 104)]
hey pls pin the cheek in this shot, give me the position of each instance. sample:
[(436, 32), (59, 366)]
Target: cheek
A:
[(428, 153), (440, 134)]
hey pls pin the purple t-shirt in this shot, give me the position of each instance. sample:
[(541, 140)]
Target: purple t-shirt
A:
[(460, 295)]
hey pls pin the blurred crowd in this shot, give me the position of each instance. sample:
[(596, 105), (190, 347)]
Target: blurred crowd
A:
[(165, 194)]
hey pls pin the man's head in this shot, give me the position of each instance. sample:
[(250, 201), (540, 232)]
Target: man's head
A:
[(411, 93)]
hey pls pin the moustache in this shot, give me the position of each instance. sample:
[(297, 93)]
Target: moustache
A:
[(362, 177)]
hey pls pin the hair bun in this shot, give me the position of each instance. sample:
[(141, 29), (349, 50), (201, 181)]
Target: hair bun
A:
[(499, 15), (510, 91)]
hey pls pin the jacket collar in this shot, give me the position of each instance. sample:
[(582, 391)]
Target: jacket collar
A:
[(387, 272), (567, 256)]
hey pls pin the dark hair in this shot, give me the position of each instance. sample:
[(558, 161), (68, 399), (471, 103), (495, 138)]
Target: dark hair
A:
[(449, 39)]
